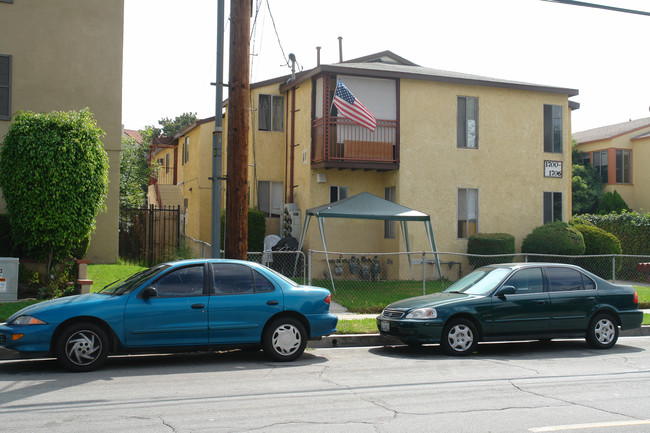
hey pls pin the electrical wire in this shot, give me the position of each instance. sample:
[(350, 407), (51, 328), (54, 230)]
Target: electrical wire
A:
[(276, 34), (599, 6)]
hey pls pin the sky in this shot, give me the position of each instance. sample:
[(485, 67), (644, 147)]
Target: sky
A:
[(170, 48)]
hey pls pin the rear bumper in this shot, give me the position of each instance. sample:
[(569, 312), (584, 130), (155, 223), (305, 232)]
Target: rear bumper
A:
[(321, 325), (631, 319)]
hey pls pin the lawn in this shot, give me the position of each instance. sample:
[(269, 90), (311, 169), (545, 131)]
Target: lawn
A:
[(103, 275)]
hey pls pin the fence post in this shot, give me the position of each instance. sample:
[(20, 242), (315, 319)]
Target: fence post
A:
[(613, 268), (424, 284), (309, 267)]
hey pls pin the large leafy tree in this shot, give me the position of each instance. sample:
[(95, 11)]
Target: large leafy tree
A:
[(134, 173), (167, 127), (54, 178), (586, 186)]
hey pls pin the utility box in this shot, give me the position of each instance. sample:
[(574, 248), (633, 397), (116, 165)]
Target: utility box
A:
[(8, 279)]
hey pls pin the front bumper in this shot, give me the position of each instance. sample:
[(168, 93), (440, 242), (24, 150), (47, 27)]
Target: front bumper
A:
[(34, 339), (420, 331)]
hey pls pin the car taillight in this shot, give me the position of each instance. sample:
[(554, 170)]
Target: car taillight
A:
[(328, 300), (636, 297)]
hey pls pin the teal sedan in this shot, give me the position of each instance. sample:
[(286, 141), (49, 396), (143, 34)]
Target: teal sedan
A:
[(176, 306), (521, 301)]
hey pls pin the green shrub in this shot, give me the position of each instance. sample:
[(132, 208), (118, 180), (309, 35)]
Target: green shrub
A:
[(633, 230), (554, 238), (6, 242), (580, 220), (612, 202), (256, 229), (598, 242), (489, 244)]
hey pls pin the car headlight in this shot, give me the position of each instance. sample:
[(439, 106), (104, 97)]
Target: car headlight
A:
[(28, 320), (422, 314)]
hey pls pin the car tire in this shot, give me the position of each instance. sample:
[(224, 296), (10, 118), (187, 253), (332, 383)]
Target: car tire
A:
[(284, 339), (459, 337), (602, 332), (81, 347)]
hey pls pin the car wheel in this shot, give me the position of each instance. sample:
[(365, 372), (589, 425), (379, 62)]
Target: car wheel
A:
[(81, 347), (602, 332), (285, 339), (459, 337)]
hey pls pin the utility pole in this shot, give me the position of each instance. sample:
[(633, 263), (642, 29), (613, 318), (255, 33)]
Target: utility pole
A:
[(238, 129), (217, 140)]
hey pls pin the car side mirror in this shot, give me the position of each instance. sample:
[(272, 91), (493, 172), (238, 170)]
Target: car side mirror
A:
[(149, 292), (506, 290)]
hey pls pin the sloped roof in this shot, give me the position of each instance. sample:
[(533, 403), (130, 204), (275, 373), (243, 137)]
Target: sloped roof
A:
[(611, 131), (367, 206), (389, 65), (133, 134)]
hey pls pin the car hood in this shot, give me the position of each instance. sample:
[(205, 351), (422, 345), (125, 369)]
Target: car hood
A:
[(433, 300), (78, 301)]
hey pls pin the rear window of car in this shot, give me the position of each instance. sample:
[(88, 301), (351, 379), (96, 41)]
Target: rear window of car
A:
[(566, 280), (236, 279)]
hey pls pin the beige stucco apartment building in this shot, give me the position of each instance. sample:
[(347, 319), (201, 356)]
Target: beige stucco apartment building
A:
[(67, 55), (477, 154), (621, 154)]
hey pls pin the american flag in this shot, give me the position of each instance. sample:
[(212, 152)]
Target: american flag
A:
[(350, 107)]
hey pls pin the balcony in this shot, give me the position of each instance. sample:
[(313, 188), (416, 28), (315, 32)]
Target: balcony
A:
[(341, 143)]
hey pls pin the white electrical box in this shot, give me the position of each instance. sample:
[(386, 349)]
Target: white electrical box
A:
[(8, 279)]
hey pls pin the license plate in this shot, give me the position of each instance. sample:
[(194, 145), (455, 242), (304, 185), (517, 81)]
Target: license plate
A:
[(385, 325)]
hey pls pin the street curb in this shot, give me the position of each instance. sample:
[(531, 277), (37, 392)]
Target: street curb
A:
[(359, 340)]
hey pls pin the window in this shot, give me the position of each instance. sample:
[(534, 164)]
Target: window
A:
[(6, 1), (467, 212), (167, 163), (186, 150), (553, 128), (601, 163), (389, 226), (467, 122), (527, 281), (552, 207), (338, 193), (271, 113), (181, 282), (623, 166), (563, 280), (235, 279), (583, 159), (270, 197), (5, 87)]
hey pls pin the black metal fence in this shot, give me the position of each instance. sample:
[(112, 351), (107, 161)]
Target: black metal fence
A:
[(149, 236)]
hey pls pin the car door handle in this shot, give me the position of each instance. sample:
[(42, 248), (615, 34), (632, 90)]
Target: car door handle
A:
[(541, 302), (591, 299), (198, 306), (272, 302)]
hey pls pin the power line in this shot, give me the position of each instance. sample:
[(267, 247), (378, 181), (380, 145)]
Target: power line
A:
[(598, 6)]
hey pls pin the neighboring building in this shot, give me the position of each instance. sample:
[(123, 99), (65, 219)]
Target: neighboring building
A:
[(621, 154), (477, 154), (67, 55)]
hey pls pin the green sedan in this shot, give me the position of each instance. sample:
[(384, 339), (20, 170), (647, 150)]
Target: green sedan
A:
[(518, 301)]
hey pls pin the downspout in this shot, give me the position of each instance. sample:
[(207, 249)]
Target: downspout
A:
[(292, 144)]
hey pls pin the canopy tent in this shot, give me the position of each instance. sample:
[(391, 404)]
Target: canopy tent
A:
[(371, 207)]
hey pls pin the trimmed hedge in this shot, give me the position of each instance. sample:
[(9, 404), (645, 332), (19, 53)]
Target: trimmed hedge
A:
[(256, 229), (597, 242), (554, 238), (6, 242), (489, 244)]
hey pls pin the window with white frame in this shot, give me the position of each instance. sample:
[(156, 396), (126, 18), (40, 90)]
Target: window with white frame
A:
[(467, 122), (389, 226), (5, 87), (552, 207), (623, 166), (467, 212), (270, 196), (271, 113), (338, 193), (553, 128)]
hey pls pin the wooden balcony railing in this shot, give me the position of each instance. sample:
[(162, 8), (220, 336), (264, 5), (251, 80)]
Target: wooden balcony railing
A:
[(341, 143)]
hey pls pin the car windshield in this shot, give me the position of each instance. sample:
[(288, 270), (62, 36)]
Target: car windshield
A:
[(479, 282), (121, 287)]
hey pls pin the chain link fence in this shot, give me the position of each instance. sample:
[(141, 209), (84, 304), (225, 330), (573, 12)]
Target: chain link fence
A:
[(367, 282)]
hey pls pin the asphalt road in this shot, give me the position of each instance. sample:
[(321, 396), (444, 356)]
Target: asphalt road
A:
[(513, 387)]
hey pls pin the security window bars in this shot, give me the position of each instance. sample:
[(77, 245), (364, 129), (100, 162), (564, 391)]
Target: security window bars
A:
[(5, 87), (553, 128), (467, 122), (271, 113)]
